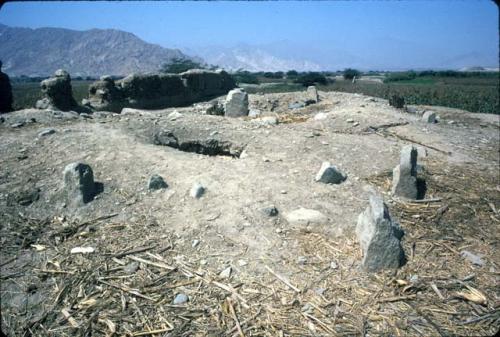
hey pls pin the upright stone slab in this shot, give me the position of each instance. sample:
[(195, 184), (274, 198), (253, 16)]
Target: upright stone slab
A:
[(236, 104), (429, 117), (312, 94), (57, 92), (79, 183), (404, 176), (379, 237), (5, 92)]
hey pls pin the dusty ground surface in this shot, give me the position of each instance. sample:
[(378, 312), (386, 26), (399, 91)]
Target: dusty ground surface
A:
[(285, 280)]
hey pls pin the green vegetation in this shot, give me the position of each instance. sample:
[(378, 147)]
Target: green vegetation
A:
[(27, 93), (245, 77), (179, 65), (311, 78), (349, 73)]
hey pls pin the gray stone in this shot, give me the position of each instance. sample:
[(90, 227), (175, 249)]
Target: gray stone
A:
[(267, 120), (312, 94), (320, 116), (329, 174), (270, 210), (131, 268), (296, 105), (17, 125), (411, 109), (429, 117), (181, 299), (404, 176), (236, 104), (472, 258), (254, 113), (379, 237), (46, 132), (79, 183), (156, 182), (304, 216), (197, 191), (226, 273)]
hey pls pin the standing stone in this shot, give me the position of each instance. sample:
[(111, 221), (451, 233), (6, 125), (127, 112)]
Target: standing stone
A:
[(236, 104), (79, 183), (329, 174), (57, 92), (404, 176), (379, 237), (429, 117), (5, 92), (312, 94), (156, 182)]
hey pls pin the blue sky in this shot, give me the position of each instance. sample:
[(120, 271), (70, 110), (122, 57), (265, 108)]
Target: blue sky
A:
[(403, 34)]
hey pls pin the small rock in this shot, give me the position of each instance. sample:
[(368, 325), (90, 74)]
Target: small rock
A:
[(472, 258), (270, 210), (329, 174), (174, 115), (46, 132), (197, 191), (82, 250), (296, 105), (333, 265), (267, 120), (181, 298), (195, 243), (451, 122), (429, 117), (131, 268), (17, 125), (226, 273), (414, 278), (350, 120), (301, 260), (156, 182), (244, 154), (320, 291), (254, 113), (320, 116), (303, 216), (411, 110), (242, 263)]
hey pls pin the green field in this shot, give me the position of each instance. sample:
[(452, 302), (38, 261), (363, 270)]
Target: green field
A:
[(474, 94), (27, 93)]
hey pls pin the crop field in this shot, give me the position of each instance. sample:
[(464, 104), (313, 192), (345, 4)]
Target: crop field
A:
[(474, 94), (27, 93)]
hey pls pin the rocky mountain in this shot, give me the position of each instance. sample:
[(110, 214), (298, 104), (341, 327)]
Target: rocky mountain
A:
[(253, 58), (39, 52)]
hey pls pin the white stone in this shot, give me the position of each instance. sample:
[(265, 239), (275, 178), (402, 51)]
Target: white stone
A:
[(304, 216), (226, 273), (320, 116), (404, 176)]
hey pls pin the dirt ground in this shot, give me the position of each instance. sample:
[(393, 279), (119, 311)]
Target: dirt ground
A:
[(285, 279)]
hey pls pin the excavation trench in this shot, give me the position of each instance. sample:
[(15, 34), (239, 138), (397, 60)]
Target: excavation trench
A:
[(207, 147)]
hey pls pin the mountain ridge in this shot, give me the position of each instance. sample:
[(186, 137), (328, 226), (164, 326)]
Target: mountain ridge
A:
[(94, 52)]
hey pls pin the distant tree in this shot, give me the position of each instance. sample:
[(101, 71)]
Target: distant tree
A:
[(180, 65), (242, 76), (292, 74), (311, 78), (350, 73)]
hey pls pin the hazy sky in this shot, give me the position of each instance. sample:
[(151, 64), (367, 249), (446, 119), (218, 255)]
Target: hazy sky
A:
[(369, 33)]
